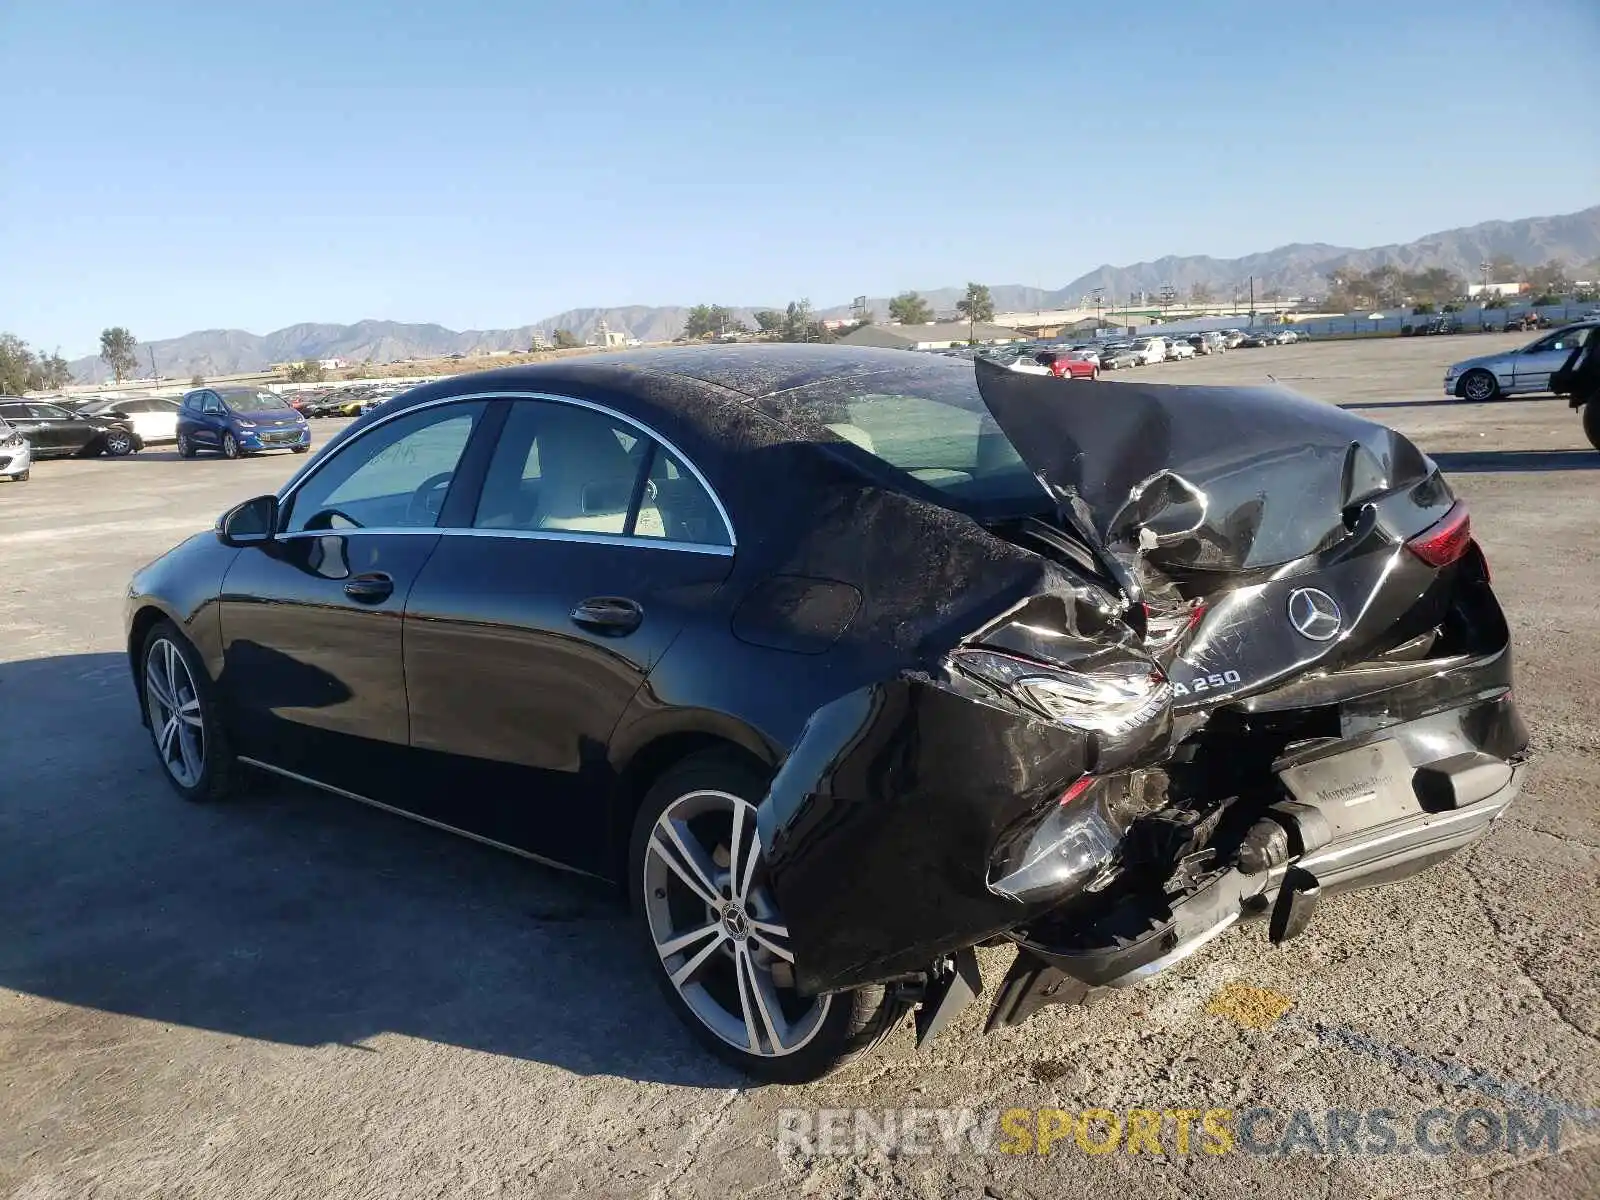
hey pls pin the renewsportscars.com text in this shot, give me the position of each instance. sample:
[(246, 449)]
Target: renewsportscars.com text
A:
[(1167, 1132)]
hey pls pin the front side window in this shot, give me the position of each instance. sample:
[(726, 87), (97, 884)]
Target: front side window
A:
[(563, 468), (395, 476)]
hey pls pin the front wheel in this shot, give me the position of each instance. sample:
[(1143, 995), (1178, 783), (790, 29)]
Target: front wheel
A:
[(719, 944), (1479, 386), (230, 446), (184, 720), (1591, 422)]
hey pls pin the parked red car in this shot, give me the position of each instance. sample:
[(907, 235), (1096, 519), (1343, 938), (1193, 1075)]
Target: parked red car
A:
[(1071, 364)]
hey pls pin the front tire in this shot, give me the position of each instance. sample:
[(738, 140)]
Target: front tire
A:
[(184, 717), (230, 446), (718, 944), (1479, 386)]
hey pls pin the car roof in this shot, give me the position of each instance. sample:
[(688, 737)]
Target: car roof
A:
[(743, 371)]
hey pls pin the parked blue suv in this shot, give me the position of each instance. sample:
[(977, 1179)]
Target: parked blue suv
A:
[(239, 420)]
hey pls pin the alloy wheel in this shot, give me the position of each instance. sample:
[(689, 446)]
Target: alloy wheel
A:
[(1480, 385), (230, 447), (118, 443), (176, 721), (719, 935)]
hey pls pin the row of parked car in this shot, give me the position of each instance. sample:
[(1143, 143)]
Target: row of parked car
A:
[(1086, 360), (231, 421)]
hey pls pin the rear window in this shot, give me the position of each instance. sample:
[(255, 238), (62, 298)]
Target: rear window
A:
[(929, 423)]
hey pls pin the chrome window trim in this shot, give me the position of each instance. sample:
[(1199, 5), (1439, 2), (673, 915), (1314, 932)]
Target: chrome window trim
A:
[(286, 493), (536, 535)]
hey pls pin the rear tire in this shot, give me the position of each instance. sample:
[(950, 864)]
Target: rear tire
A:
[(1591, 422), (185, 446), (1478, 386), (118, 444), (707, 803)]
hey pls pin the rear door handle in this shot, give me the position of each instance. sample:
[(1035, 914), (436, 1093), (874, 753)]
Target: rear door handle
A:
[(612, 616), (370, 589)]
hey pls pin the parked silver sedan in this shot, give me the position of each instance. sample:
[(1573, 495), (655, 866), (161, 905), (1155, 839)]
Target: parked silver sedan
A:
[(1517, 372)]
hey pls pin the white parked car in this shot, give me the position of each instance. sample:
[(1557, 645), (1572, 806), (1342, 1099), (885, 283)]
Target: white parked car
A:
[(154, 418), (1287, 337), (1178, 348), (1150, 350)]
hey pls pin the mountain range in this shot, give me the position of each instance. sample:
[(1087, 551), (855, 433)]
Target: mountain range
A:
[(1298, 269)]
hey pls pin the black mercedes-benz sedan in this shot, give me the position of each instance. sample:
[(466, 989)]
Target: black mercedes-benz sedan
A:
[(843, 662)]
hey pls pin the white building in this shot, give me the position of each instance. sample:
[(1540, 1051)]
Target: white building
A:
[(608, 338)]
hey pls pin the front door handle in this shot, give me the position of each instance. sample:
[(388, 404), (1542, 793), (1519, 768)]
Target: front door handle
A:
[(370, 589), (611, 616)]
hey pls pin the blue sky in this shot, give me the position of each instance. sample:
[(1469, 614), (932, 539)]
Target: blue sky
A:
[(175, 167)]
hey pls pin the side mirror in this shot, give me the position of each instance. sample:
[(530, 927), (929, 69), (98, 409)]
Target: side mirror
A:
[(249, 524)]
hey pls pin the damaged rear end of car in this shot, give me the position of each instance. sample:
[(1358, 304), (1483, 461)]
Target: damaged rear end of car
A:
[(1262, 663)]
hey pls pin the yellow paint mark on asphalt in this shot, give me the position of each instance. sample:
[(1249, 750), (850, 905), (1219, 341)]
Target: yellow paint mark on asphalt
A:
[(1251, 1007)]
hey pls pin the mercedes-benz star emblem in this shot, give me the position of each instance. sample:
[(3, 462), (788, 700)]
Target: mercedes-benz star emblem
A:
[(1314, 614)]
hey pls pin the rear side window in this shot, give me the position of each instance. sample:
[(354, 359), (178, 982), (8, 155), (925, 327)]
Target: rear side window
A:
[(563, 468)]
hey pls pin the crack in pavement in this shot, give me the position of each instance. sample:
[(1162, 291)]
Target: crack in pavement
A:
[(709, 1124), (1517, 959)]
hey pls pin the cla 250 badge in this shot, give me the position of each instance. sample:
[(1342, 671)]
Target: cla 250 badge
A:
[(1205, 683)]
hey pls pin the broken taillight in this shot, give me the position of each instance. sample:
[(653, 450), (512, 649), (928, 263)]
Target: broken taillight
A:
[(1445, 542)]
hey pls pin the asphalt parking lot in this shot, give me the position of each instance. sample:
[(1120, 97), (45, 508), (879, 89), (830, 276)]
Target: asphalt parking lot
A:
[(292, 995)]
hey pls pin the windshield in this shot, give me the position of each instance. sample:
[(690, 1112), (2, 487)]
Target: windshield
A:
[(254, 402), (929, 423)]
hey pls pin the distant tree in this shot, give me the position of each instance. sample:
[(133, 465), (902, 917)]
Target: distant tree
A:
[(910, 309), (1200, 293), (977, 305), (54, 372), (700, 322), (1504, 269), (197, 380), (22, 370), (769, 320), (306, 371), (17, 365), (1553, 277), (1436, 285), (798, 323), (564, 339), (117, 346)]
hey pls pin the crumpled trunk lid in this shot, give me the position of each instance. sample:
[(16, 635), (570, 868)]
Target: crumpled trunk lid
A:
[(1280, 521)]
